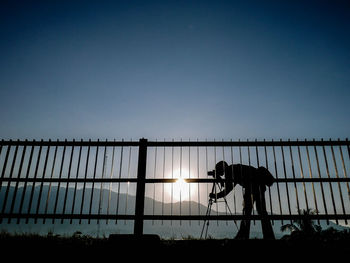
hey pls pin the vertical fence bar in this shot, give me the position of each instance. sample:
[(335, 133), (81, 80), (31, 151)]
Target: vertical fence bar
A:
[(51, 176), (248, 151), (110, 184), (76, 183), (330, 184), (276, 173), (337, 175), (120, 175), (234, 192), (140, 188), (42, 181), (180, 179), (100, 200), (5, 164), (312, 184), (285, 177), (25, 183), (226, 204), (1, 146), (84, 184), (344, 169), (269, 187), (59, 177), (206, 165), (67, 184), (302, 176), (172, 186), (258, 165), (10, 177), (293, 174), (198, 187), (216, 201), (163, 183), (257, 154), (250, 184), (17, 183), (189, 185), (93, 183), (127, 186), (154, 176), (33, 185), (240, 162), (319, 176), (9, 182)]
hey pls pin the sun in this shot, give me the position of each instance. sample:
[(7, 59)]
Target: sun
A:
[(180, 190)]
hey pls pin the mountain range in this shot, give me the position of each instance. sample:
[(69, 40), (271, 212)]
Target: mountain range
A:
[(105, 202)]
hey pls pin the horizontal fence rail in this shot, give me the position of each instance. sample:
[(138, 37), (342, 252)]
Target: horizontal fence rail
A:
[(167, 180), (175, 143)]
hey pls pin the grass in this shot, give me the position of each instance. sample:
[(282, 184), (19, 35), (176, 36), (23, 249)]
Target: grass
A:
[(50, 240)]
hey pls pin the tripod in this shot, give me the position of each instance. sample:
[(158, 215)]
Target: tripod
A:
[(210, 203)]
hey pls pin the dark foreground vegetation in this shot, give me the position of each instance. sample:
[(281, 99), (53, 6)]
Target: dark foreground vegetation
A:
[(330, 242)]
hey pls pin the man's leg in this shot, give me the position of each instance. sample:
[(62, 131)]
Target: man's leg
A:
[(265, 222), (244, 229)]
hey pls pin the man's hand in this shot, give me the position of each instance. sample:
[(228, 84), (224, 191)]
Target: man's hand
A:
[(221, 181), (212, 196)]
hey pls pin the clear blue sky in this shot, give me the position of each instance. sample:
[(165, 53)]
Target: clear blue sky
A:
[(174, 69)]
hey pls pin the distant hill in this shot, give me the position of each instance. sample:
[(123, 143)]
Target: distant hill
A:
[(125, 205)]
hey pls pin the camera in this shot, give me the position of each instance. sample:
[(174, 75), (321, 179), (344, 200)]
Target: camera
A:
[(216, 177)]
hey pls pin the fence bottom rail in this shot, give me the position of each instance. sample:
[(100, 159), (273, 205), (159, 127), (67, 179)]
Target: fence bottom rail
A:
[(172, 217)]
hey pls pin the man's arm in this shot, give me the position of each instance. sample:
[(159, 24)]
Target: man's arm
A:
[(222, 193)]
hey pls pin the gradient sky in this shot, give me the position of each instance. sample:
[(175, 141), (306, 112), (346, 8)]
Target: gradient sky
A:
[(174, 69)]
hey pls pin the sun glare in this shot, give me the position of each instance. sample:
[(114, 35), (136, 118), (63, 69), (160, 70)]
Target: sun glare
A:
[(180, 190)]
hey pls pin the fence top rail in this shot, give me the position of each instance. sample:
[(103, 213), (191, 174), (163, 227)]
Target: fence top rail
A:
[(68, 143), (249, 143), (181, 143)]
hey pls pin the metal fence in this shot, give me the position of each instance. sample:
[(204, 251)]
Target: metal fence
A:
[(167, 180)]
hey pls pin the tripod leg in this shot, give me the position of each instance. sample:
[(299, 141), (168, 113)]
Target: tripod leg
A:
[(206, 214), (228, 207), (206, 231)]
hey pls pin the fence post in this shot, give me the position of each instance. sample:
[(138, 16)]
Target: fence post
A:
[(140, 188)]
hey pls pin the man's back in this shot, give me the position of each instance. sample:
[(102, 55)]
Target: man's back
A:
[(244, 175)]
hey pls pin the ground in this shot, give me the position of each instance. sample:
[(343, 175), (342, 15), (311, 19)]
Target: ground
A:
[(153, 248)]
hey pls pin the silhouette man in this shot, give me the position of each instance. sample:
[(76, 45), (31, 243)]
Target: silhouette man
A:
[(254, 182)]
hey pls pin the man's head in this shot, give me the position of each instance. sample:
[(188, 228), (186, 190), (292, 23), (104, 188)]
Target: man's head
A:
[(220, 168), (265, 177)]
